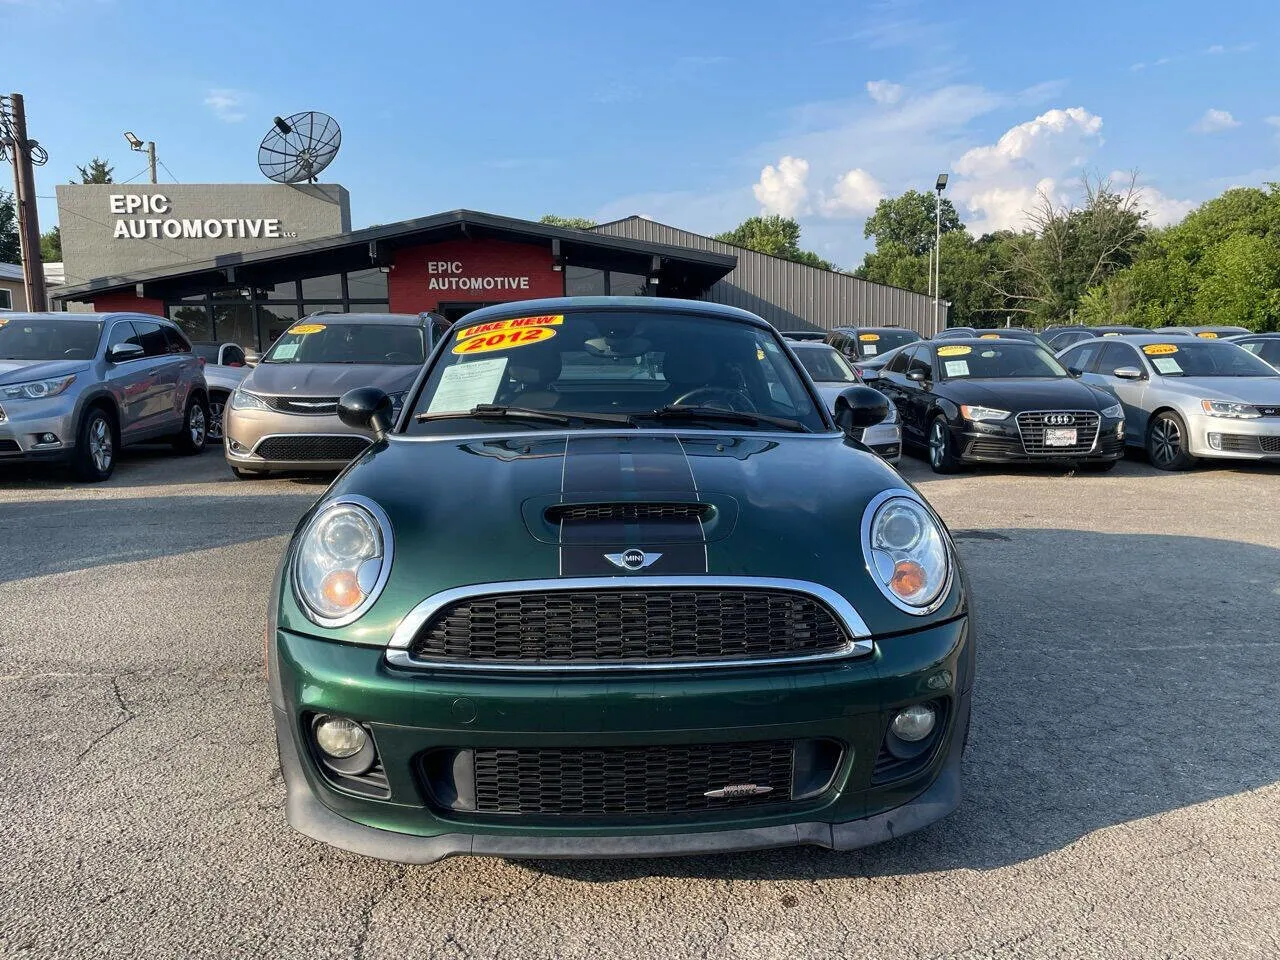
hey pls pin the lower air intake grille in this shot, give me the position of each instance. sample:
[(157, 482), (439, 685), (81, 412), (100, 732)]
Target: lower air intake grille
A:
[(311, 448), (635, 625), (627, 512), (1035, 427), (9, 446), (631, 780)]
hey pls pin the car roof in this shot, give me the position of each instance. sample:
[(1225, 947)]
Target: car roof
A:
[(87, 317), (901, 329), (1267, 335), (811, 345), (975, 342), (397, 319), (526, 308)]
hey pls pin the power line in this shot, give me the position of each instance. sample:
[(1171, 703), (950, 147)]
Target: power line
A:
[(137, 175), (167, 170)]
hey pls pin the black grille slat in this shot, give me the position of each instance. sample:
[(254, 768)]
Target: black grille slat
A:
[(629, 781), (304, 447), (1032, 427), (1248, 443), (304, 406), (640, 625), (626, 512), (9, 446)]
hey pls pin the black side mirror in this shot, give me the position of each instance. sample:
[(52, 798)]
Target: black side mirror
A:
[(122, 352), (860, 407), (366, 408), (919, 376), (1075, 371)]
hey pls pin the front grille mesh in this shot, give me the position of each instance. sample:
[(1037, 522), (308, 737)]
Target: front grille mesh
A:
[(627, 512), (9, 446), (306, 406), (631, 781), (1249, 443), (1032, 426), (304, 447), (634, 625)]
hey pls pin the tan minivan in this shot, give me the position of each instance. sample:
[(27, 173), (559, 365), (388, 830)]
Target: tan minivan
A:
[(284, 415)]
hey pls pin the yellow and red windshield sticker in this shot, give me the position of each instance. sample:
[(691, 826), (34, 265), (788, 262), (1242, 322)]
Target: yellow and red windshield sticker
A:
[(502, 340), (517, 323), (990, 336), (1159, 349), (3, 321), (304, 328), (1207, 335), (868, 337), (956, 351)]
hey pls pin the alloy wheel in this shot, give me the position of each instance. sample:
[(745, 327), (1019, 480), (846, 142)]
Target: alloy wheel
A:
[(1166, 441), (216, 408), (196, 424), (937, 443), (100, 445)]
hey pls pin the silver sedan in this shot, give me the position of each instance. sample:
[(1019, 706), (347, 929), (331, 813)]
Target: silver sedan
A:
[(1186, 398)]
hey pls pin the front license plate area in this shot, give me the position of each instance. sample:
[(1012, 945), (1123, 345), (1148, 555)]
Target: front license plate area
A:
[(1060, 437)]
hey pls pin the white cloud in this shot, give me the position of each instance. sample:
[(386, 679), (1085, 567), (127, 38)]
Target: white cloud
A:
[(783, 189), (1162, 210), (1215, 121), (855, 194), (884, 91), (227, 105)]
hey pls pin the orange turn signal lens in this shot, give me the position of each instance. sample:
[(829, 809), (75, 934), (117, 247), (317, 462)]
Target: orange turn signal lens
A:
[(908, 579), (342, 589)]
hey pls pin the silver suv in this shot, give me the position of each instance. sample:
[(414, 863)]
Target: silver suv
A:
[(74, 387)]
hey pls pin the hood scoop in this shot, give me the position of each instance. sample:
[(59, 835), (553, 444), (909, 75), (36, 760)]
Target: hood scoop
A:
[(627, 512)]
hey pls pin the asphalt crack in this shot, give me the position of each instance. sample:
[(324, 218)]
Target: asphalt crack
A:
[(366, 915), (128, 716)]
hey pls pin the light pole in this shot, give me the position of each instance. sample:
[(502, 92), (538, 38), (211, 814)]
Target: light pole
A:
[(937, 251), (149, 148)]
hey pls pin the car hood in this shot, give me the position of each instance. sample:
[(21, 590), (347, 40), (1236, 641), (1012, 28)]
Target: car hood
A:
[(329, 379), (1259, 390), (20, 371), (476, 511), (1017, 394)]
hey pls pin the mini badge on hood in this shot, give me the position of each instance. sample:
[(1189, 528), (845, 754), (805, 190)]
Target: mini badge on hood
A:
[(633, 559)]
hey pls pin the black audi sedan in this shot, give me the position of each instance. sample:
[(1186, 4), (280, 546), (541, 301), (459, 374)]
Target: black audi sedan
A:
[(1000, 401)]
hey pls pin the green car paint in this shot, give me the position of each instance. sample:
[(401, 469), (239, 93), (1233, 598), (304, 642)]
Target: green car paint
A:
[(471, 509)]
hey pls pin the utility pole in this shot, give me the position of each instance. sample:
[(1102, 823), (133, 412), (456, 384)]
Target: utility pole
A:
[(13, 138), (937, 254), (149, 148)]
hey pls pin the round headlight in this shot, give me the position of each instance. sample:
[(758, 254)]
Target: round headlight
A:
[(343, 559), (906, 552)]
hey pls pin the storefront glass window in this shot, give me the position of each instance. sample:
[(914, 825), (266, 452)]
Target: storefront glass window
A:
[(627, 284), (367, 285), (322, 288), (584, 282), (273, 320), (284, 290), (233, 323), (193, 320)]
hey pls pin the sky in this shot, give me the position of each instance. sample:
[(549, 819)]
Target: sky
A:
[(696, 113)]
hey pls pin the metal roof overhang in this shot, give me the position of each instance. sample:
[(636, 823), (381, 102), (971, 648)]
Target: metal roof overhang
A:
[(681, 269)]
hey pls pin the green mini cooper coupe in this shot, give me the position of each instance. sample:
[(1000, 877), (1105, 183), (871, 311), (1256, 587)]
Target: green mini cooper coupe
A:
[(617, 584)]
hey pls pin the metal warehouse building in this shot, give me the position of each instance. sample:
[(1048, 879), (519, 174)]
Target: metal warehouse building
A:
[(459, 261)]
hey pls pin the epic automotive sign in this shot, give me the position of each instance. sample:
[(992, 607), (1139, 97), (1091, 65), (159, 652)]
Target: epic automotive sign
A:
[(142, 216), (455, 275)]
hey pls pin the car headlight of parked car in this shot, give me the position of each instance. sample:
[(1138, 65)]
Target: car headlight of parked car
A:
[(36, 389), (978, 414), (242, 399), (906, 552), (1233, 411), (342, 561), (1113, 412)]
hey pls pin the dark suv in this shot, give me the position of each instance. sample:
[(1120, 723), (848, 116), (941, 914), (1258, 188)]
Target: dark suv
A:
[(858, 343)]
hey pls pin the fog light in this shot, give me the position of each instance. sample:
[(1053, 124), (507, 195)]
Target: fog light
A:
[(1215, 441), (236, 446), (914, 723), (47, 438), (340, 738)]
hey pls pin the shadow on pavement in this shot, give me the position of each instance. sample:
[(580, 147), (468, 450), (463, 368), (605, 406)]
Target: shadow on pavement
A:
[(1119, 677)]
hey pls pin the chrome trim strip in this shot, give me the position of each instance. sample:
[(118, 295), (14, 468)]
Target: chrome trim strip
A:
[(388, 555), (868, 516), (860, 643), (1097, 430)]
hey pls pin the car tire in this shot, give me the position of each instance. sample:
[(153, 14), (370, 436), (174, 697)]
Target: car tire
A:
[(1167, 442), (195, 426), (97, 441), (942, 458), (1098, 466), (248, 474), (217, 409)]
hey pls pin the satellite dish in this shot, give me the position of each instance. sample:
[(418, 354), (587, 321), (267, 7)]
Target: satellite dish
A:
[(298, 147)]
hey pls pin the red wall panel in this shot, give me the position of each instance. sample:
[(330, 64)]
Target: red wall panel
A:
[(471, 271), (126, 301)]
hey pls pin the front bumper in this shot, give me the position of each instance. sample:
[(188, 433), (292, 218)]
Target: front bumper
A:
[(410, 712), (265, 440), (1002, 443), (884, 439), (22, 422), (1223, 437)]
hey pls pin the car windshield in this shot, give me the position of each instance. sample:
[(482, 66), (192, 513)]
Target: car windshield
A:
[(634, 368), (322, 340), (997, 360), (1204, 358), (872, 342), (28, 338), (825, 364)]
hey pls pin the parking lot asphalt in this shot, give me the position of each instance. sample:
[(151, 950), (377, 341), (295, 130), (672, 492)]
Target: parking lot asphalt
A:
[(1121, 782)]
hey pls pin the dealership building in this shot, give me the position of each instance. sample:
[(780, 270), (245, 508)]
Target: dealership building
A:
[(241, 263)]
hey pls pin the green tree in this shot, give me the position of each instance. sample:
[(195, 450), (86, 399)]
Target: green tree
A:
[(775, 235), (98, 171), (909, 220), (573, 223), (51, 246), (10, 245)]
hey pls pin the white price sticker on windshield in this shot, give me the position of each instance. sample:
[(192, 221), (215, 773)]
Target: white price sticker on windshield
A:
[(466, 385), (1166, 364), (869, 349), (956, 368), (286, 351)]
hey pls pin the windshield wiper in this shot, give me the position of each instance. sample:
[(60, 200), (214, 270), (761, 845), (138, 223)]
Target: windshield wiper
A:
[(679, 411), (492, 411)]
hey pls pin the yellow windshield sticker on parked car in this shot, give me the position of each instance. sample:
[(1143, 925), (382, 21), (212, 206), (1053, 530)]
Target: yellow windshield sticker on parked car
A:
[(1207, 334), (516, 323), (3, 321), (954, 351), (990, 336), (868, 337), (1111, 334), (305, 328), (1159, 349), (502, 340)]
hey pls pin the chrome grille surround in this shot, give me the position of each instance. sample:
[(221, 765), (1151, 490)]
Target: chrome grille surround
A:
[(1033, 423)]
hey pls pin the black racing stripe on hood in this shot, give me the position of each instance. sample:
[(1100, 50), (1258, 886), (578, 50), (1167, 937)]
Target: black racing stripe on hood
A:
[(629, 469)]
